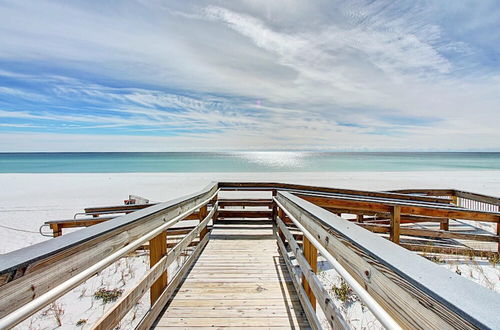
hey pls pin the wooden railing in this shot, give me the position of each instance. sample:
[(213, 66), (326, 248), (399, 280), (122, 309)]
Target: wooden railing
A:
[(469, 201), (273, 186), (156, 277), (95, 215), (413, 291), (478, 202), (37, 275), (399, 287), (57, 226), (466, 199)]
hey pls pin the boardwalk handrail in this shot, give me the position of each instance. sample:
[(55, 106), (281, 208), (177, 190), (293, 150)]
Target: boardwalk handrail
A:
[(478, 197), (412, 208), (452, 193), (154, 273), (265, 186), (335, 318), (114, 315), (81, 254), (396, 210), (410, 290), (413, 290)]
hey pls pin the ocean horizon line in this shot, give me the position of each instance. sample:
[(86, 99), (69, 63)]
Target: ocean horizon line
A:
[(198, 162), (251, 151)]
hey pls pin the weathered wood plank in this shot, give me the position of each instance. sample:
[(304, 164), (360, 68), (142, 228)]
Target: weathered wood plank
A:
[(431, 233), (374, 228), (232, 322), (82, 222), (234, 328), (449, 250), (448, 234), (262, 202), (117, 208), (214, 303), (244, 214), (427, 192), (238, 312)]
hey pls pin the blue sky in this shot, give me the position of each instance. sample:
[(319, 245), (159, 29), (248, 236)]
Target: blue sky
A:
[(249, 75)]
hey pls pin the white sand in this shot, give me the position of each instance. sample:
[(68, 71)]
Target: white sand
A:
[(27, 200)]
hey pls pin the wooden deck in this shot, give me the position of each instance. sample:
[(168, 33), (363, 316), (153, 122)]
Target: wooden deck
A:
[(240, 280), (236, 277)]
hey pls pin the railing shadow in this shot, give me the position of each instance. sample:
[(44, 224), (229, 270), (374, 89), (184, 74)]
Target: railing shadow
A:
[(286, 288)]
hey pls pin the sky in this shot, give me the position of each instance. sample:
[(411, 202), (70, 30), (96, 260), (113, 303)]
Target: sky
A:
[(249, 75)]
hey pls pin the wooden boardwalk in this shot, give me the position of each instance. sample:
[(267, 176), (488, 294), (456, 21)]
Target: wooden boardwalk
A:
[(235, 276), (240, 280)]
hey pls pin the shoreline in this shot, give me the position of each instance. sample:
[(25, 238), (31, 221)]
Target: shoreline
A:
[(28, 200)]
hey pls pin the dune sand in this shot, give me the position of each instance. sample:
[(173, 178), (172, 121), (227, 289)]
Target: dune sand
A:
[(27, 200)]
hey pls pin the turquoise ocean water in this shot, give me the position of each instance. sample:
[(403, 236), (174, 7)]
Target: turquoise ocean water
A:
[(245, 162)]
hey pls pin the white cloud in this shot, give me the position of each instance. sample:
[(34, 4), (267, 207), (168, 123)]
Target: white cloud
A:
[(280, 74)]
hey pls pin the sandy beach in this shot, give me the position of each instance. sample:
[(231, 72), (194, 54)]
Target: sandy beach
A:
[(27, 200)]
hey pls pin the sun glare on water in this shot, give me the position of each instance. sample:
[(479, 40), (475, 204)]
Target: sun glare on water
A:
[(275, 159)]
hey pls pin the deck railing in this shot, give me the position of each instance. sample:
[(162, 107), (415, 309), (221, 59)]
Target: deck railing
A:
[(399, 287), (412, 291), (312, 290), (478, 202), (466, 199), (37, 275)]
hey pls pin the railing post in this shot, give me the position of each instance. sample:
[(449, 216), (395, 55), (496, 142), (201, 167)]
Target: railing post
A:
[(56, 229), (214, 201), (445, 225), (359, 218), (201, 215), (281, 215), (395, 224), (498, 234), (311, 255), (158, 249), (274, 213)]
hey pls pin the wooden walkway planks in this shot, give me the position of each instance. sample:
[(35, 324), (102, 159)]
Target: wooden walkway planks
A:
[(239, 280)]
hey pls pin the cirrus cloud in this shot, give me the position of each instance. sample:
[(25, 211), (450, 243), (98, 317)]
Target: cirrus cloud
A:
[(236, 75)]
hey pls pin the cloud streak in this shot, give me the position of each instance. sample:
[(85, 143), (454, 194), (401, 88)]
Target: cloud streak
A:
[(227, 75)]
